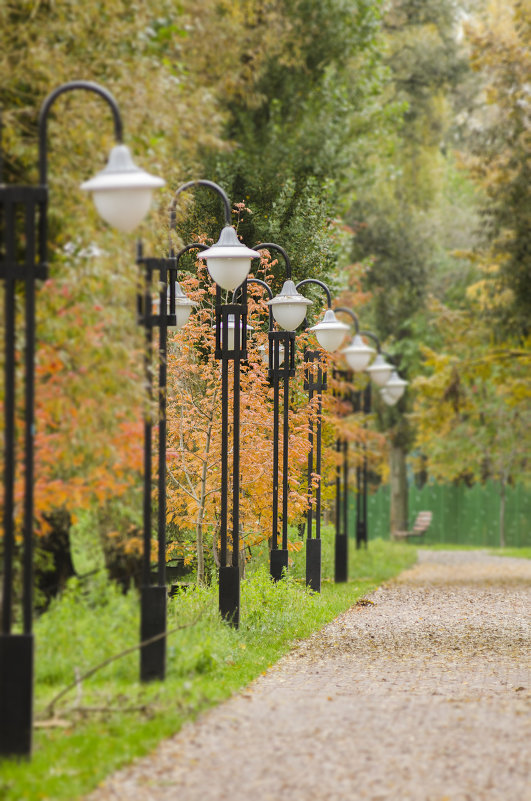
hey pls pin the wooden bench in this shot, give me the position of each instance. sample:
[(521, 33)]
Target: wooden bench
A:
[(420, 526)]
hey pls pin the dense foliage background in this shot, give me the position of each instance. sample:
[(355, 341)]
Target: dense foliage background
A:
[(384, 145)]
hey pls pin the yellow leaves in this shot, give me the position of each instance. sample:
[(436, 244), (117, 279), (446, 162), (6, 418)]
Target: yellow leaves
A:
[(295, 547), (133, 545)]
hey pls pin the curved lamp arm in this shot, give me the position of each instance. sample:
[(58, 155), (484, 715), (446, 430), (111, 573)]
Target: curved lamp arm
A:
[(45, 110), (373, 337), (211, 185), (351, 314), (319, 283), (272, 246), (262, 284), (185, 249), (390, 359)]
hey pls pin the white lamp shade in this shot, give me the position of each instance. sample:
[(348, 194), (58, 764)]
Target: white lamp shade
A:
[(289, 307), (387, 397), (396, 386), (183, 305), (264, 353), (122, 191), (358, 354), (231, 325), (229, 260), (330, 332), (380, 371)]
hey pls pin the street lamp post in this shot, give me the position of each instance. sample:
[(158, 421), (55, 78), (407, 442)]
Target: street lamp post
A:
[(228, 263), (342, 482), (288, 308), (392, 387), (171, 309), (358, 355), (330, 333), (362, 527), (122, 195)]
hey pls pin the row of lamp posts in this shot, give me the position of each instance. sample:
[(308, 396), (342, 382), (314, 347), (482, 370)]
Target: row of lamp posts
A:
[(122, 195), (384, 374)]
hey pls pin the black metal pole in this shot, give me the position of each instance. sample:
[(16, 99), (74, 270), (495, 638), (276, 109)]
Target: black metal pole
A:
[(359, 485), (229, 574), (341, 543), (17, 650), (163, 375), (29, 425), (336, 374), (318, 451), (9, 460), (345, 486), (152, 596), (279, 556), (276, 393), (367, 398), (238, 326), (154, 593), (22, 258), (341, 539), (338, 519), (289, 359), (222, 334), (280, 373), (315, 385), (309, 387)]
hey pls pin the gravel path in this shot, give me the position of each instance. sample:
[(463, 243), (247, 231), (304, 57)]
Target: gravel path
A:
[(423, 695)]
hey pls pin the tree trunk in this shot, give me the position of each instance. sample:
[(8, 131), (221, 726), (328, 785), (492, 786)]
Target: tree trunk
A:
[(201, 511), (200, 551), (242, 560), (399, 500)]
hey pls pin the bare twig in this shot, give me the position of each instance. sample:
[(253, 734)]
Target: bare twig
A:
[(50, 709)]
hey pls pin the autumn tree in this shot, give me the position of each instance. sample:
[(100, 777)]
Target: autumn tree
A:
[(194, 435)]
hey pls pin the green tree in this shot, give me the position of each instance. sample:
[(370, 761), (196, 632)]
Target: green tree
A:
[(397, 213), (499, 162), (472, 411), (298, 133)]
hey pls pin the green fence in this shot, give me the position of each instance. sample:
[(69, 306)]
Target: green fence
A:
[(462, 515)]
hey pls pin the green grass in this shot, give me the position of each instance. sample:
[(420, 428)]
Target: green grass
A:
[(206, 663), (449, 546), (521, 553)]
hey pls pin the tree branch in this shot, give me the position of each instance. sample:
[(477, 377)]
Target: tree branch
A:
[(50, 709)]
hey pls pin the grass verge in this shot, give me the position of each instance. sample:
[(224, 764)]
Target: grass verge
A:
[(520, 553), (112, 718)]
